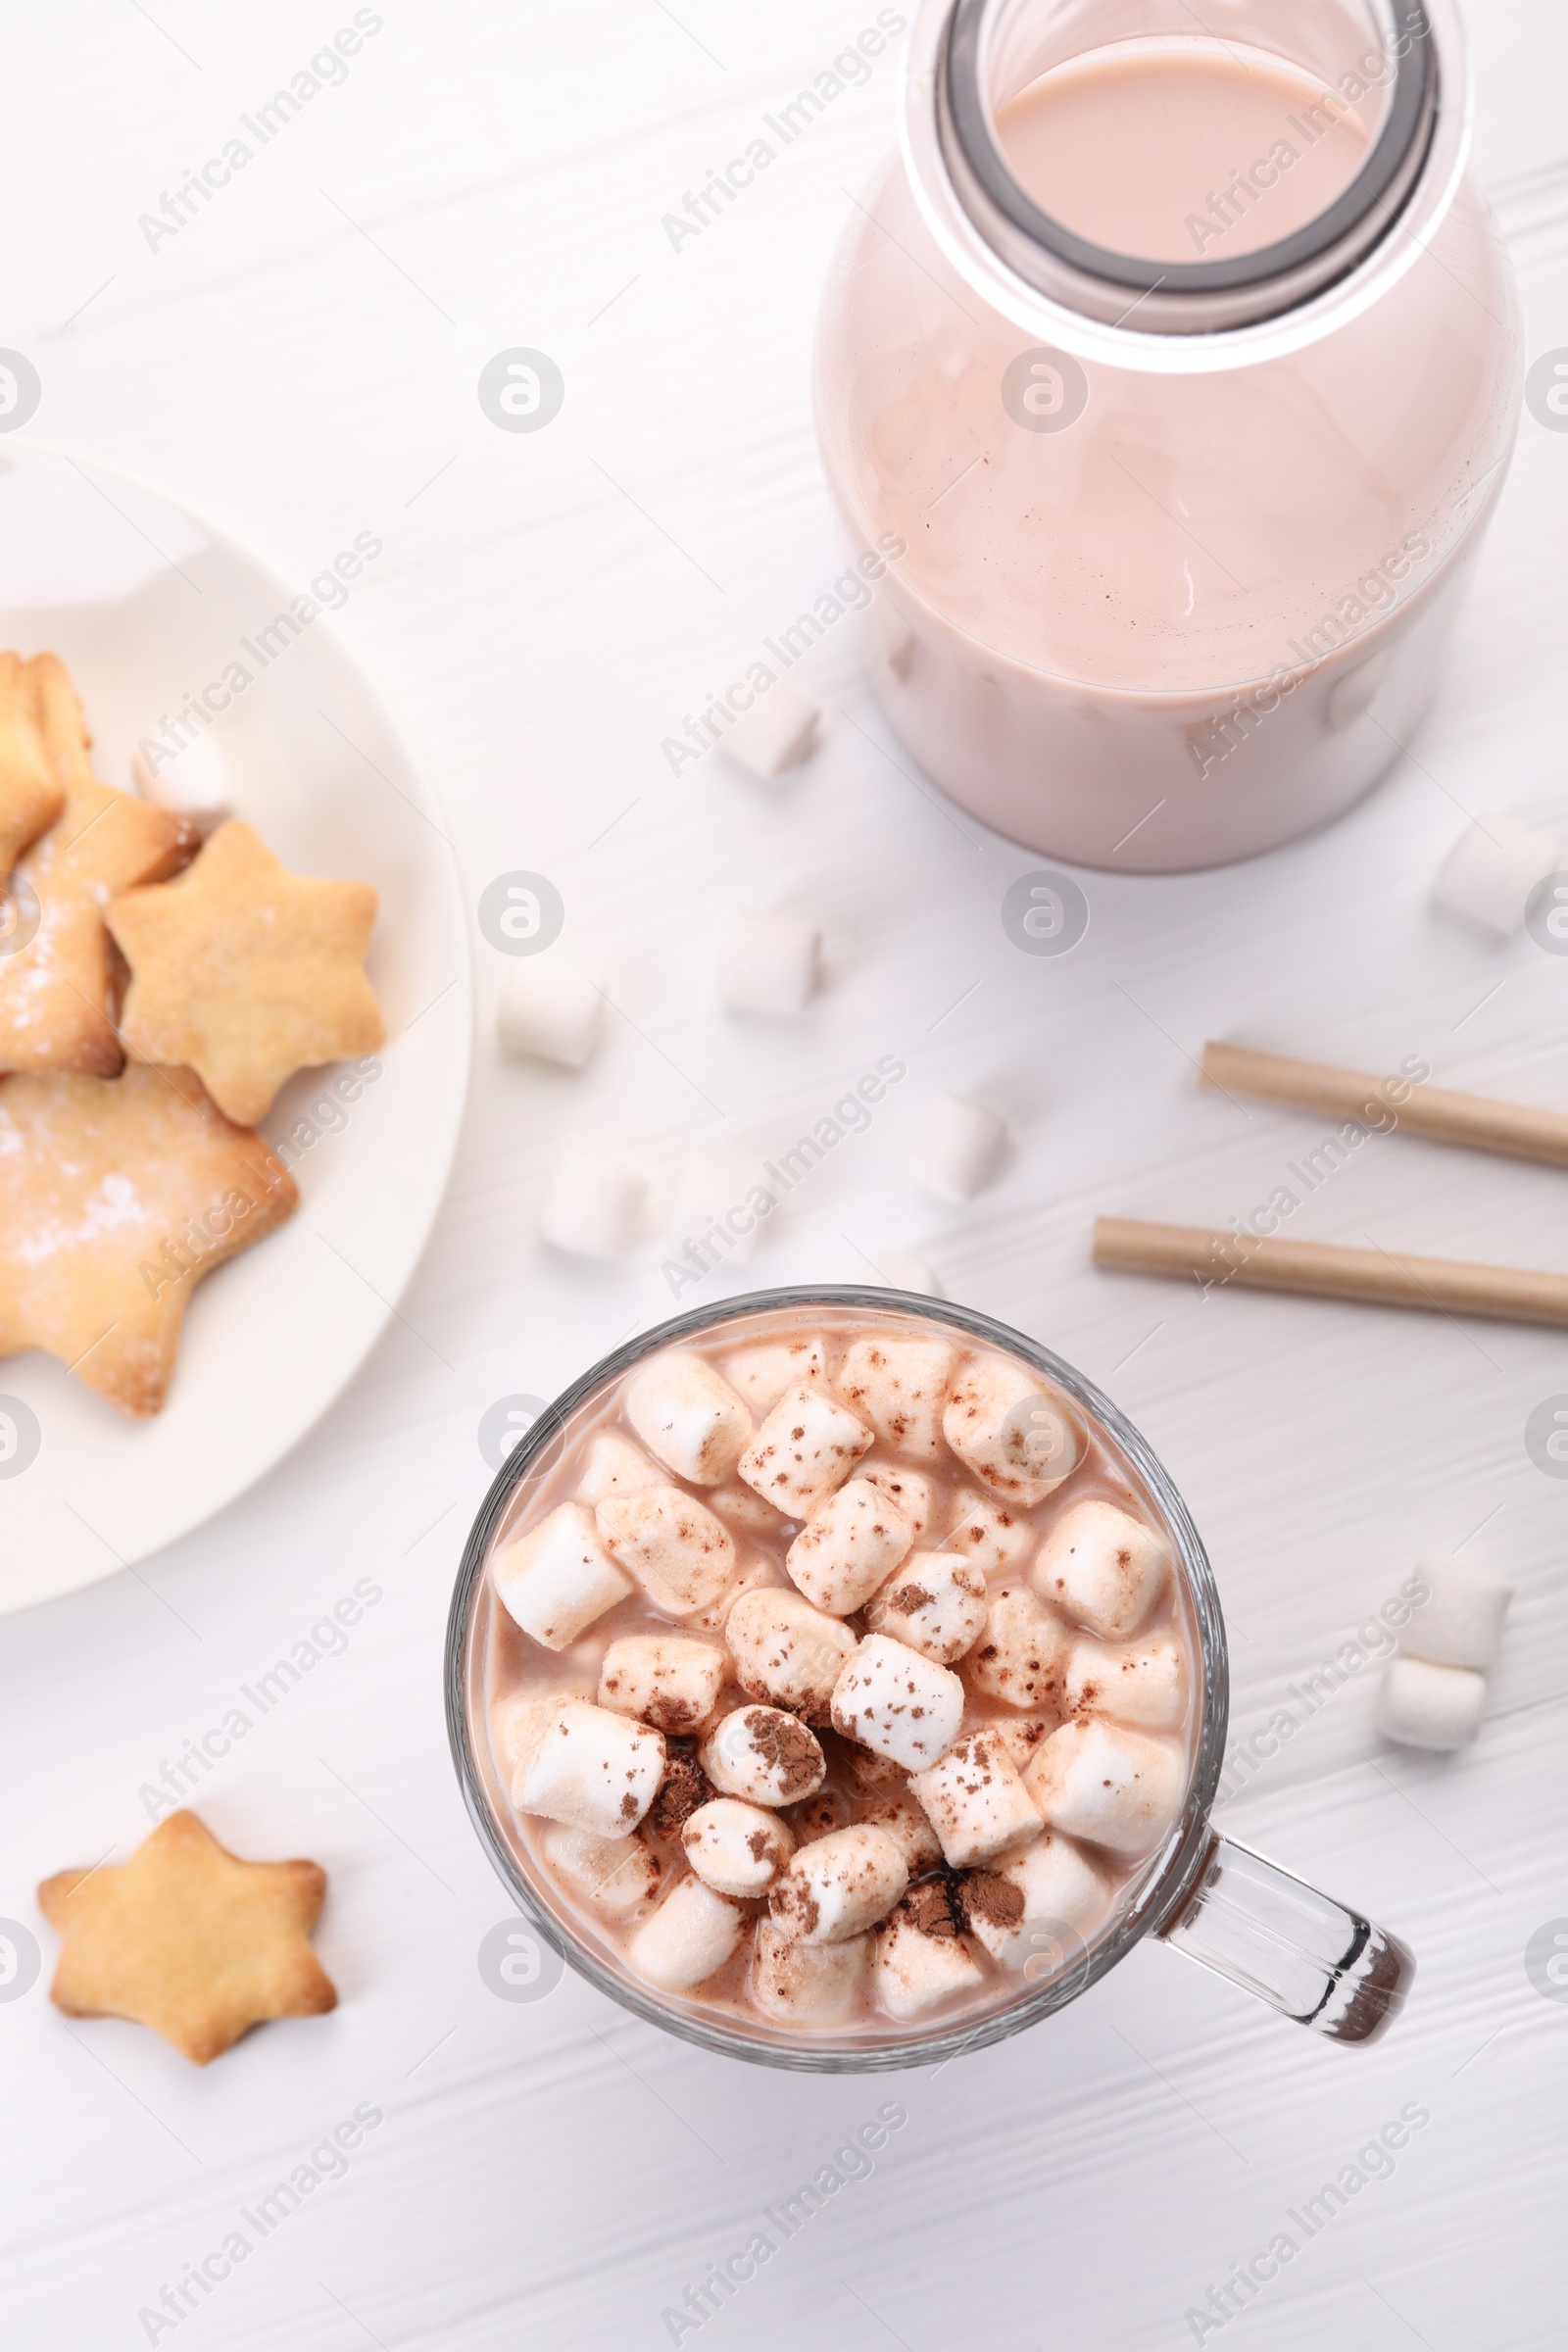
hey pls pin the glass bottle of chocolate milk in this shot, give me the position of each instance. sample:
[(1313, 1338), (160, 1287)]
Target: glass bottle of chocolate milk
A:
[(1182, 366)]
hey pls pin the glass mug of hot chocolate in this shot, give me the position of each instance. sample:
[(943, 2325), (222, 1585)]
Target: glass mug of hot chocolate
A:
[(1167, 377), (837, 1680)]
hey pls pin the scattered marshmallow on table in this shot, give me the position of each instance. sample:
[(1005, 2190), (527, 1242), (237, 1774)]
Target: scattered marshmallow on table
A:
[(935, 1603), (760, 1375), (736, 1849), (921, 1958), (777, 733), (1101, 1567), (764, 1756), (987, 1533), (1460, 1622), (848, 1547), (614, 1466), (788, 1652), (687, 1416), (1021, 1655), (1422, 1705), (1143, 1684), (616, 1875), (958, 1149), (897, 1703), (593, 1205), (840, 1885), (976, 1801), (899, 1386), (681, 1554), (557, 1578), (1112, 1787), (666, 1679), (1020, 1909), (808, 1983), (1018, 1437), (691, 1934), (195, 783), (591, 1770), (807, 1445), (769, 962), (1490, 874), (551, 1010)]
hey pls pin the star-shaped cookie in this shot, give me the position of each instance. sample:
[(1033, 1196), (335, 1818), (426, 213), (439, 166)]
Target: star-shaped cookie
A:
[(117, 1196), (31, 794), (190, 1940), (57, 993), (247, 972)]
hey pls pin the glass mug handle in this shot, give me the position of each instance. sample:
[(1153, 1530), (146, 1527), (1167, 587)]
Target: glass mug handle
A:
[(1307, 1956)]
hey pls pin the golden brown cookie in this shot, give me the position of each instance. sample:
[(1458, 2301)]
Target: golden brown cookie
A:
[(117, 1196), (31, 793), (57, 994), (190, 1940), (246, 972)]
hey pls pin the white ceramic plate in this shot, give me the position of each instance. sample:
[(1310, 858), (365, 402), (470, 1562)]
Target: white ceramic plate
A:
[(147, 605)]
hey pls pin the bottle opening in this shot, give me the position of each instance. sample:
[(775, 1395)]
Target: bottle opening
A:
[(1186, 179)]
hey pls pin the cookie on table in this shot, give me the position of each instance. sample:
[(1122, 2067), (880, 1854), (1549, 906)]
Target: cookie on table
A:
[(31, 792), (247, 972), (117, 1197), (190, 1940), (58, 994)]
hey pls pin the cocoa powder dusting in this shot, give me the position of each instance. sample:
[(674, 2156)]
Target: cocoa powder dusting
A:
[(985, 1895), (931, 1909), (787, 1746), (684, 1788)]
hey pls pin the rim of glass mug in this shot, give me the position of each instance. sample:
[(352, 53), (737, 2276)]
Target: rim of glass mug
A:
[(980, 216), (1169, 1895)]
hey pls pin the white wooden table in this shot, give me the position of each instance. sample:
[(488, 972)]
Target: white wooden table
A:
[(300, 361)]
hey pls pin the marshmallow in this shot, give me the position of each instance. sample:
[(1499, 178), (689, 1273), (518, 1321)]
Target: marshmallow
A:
[(1112, 1787), (1027, 1912), (761, 1374), (1421, 1705), (1460, 1622), (614, 1467), (976, 1803), (768, 963), (557, 1578), (669, 1681), (689, 1937), (874, 1776), (921, 1958), (1016, 1436), (787, 1653), (616, 1875), (958, 1149), (591, 1770), (899, 1386), (840, 1885), (681, 1554), (897, 1703), (1488, 876), (743, 1509), (549, 1010), (1021, 1735), (808, 1983), (987, 1533), (903, 1270), (808, 1446), (1103, 1567), (195, 783), (911, 1491), (935, 1603), (714, 1201), (909, 1830), (777, 733), (688, 1418), (1144, 1685), (593, 1205), (818, 1815), (1021, 1655), (519, 1722), (847, 1547), (763, 1756), (736, 1849)]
